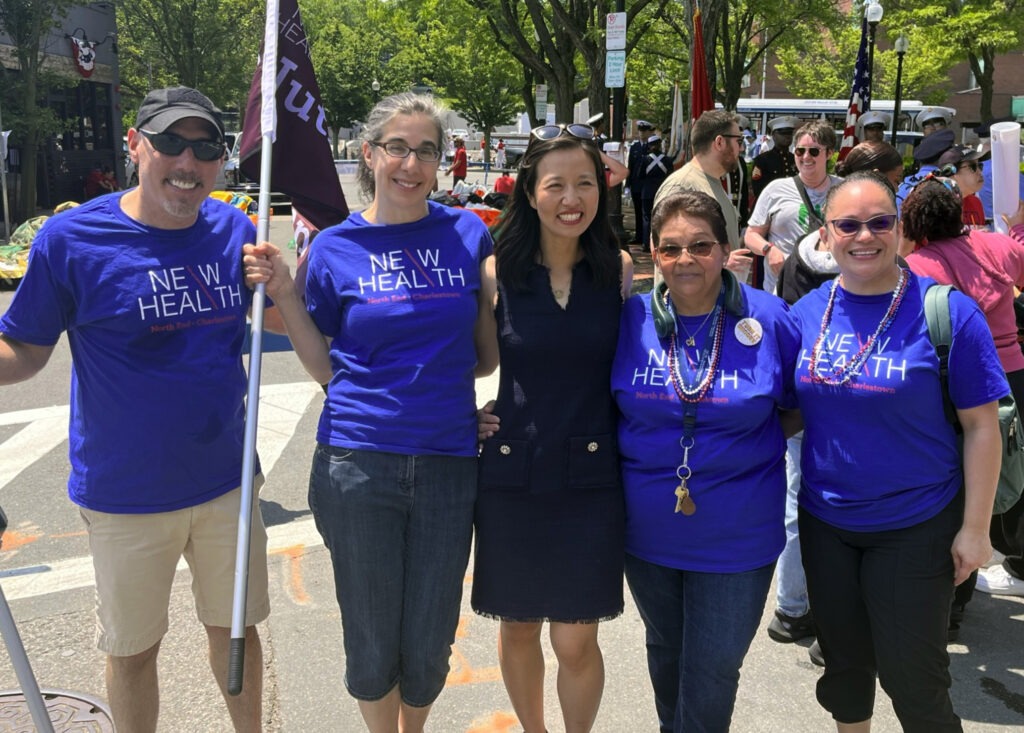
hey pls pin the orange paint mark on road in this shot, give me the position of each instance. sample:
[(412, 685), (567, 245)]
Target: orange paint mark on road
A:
[(13, 539), (66, 535), (497, 722), (463, 673), (296, 588), (460, 630)]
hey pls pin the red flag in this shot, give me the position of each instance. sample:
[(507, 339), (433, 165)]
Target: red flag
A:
[(860, 94), (302, 165), (700, 88)]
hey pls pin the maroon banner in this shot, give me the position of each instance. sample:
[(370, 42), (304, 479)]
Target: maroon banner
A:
[(302, 164)]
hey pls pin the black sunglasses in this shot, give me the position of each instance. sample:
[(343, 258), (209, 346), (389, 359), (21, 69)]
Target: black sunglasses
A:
[(971, 165), (813, 152), (575, 129), (167, 143)]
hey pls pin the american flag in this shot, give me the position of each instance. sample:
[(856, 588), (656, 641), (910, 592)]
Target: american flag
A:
[(860, 93)]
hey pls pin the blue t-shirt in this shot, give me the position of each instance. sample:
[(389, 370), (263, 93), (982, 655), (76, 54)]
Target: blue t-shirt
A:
[(985, 194), (878, 452), (910, 181), (155, 319), (738, 458), (399, 303)]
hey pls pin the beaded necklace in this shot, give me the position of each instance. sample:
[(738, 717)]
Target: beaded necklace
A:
[(839, 376), (690, 393), (707, 365)]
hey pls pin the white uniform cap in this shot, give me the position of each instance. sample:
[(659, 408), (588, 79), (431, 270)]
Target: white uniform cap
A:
[(783, 123), (933, 113), (875, 118)]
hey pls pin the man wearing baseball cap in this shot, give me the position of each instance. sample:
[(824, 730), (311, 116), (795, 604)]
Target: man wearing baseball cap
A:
[(148, 285)]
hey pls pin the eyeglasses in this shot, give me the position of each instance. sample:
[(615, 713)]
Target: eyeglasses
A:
[(875, 225), (813, 152), (972, 166), (167, 143), (395, 149), (696, 249), (575, 129), (734, 137)]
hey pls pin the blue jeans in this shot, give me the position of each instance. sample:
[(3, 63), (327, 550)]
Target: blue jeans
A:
[(699, 628), (398, 529), (791, 588)]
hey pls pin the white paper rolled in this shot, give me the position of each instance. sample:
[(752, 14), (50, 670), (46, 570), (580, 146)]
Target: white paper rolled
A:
[(1005, 171)]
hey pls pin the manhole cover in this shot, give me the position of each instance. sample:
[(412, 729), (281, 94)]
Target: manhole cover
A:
[(69, 712)]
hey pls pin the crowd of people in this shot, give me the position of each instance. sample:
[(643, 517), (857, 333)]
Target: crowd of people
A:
[(611, 448)]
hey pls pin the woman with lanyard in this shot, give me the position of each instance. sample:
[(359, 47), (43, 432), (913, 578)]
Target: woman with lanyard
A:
[(986, 266), (890, 516), (549, 517), (699, 380), (396, 291)]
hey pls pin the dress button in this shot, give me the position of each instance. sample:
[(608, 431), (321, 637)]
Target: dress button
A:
[(592, 446), (505, 449)]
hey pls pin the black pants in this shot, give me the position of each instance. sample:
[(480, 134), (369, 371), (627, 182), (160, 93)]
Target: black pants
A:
[(881, 604)]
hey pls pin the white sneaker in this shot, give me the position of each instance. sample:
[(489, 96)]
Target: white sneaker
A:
[(998, 582), (996, 559)]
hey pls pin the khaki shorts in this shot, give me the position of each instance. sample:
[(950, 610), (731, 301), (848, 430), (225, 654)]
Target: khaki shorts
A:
[(135, 557)]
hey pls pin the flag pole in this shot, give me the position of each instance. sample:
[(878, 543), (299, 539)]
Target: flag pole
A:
[(268, 120)]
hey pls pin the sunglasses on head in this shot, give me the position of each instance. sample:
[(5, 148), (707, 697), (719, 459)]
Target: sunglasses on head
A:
[(575, 129), (696, 249), (167, 143), (944, 176), (851, 227), (813, 152)]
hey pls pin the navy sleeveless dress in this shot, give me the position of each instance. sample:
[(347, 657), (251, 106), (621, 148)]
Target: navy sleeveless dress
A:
[(550, 516)]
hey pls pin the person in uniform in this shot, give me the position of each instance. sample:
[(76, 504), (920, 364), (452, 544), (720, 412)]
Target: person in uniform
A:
[(635, 162), (926, 155), (873, 126), (777, 162), (932, 119), (737, 181)]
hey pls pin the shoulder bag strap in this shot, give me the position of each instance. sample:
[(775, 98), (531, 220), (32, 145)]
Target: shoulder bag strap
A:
[(812, 215), (940, 331)]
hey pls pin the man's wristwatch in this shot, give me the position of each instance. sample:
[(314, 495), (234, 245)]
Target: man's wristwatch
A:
[(764, 250)]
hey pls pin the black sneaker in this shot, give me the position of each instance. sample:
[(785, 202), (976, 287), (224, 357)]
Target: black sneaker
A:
[(814, 652), (787, 629)]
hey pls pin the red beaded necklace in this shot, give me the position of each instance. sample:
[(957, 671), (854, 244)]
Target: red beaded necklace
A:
[(841, 375)]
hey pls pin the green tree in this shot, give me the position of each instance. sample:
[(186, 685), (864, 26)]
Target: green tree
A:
[(481, 80), (28, 23), (950, 31), (210, 45)]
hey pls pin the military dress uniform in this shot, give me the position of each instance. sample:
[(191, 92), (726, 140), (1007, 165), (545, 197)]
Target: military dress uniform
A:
[(776, 163)]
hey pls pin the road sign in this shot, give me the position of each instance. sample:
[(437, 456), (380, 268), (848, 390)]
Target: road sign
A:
[(615, 38), (615, 69)]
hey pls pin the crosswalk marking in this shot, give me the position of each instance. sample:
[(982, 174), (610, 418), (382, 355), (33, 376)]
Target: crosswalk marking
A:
[(281, 408)]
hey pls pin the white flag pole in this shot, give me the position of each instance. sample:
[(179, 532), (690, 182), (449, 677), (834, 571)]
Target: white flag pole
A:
[(268, 126)]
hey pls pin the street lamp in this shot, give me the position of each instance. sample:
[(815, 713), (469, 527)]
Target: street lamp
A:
[(873, 13), (902, 44), (375, 86)]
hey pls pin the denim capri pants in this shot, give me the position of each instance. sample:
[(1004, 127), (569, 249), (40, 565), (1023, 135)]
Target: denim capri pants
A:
[(398, 528)]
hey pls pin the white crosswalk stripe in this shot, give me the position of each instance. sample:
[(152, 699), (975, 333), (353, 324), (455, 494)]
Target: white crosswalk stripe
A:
[(281, 408)]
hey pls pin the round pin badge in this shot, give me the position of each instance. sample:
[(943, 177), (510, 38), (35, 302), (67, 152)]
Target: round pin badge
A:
[(749, 332)]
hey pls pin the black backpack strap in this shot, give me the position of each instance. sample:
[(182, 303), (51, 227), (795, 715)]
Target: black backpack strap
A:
[(813, 219)]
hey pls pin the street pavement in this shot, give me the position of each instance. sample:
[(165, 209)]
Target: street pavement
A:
[(52, 598)]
